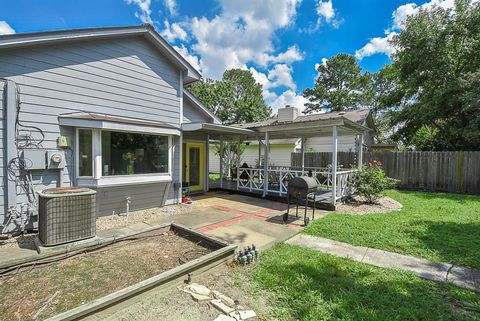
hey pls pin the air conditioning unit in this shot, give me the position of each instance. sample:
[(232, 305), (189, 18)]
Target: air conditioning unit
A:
[(66, 215)]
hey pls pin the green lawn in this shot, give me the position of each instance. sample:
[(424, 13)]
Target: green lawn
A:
[(436, 226), (303, 284)]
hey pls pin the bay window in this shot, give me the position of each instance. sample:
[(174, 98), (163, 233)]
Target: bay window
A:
[(105, 156)]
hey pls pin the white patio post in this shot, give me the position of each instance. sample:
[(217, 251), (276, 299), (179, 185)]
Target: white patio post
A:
[(221, 163), (360, 151), (334, 165), (238, 163), (303, 154), (259, 153), (229, 165), (207, 160), (265, 165)]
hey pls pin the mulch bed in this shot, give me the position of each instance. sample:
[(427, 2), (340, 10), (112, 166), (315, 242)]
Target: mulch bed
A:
[(61, 286), (357, 206)]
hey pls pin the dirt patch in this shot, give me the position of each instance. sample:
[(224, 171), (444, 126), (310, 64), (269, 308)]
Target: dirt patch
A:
[(82, 278), (357, 206), (174, 304)]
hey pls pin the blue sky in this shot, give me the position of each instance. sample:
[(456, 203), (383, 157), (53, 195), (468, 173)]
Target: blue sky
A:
[(280, 41)]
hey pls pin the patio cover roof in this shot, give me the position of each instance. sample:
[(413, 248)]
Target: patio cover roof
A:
[(315, 125), (217, 131)]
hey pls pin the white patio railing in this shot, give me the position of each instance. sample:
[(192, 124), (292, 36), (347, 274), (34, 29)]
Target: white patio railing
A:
[(252, 179)]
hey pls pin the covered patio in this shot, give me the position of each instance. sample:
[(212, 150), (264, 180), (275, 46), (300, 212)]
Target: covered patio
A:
[(266, 180)]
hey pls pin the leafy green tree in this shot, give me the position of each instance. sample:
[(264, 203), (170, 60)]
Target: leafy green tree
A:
[(438, 64), (340, 86), (384, 97), (236, 98)]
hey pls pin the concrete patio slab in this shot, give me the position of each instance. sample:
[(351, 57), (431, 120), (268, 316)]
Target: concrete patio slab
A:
[(250, 231), (240, 219), (441, 272)]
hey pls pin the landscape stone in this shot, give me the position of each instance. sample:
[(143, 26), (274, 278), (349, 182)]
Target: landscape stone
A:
[(200, 297), (222, 307), (198, 289), (225, 299), (248, 314), (223, 317)]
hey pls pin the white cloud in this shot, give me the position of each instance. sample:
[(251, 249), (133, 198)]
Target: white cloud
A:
[(242, 33), (326, 14), (173, 31), (190, 57), (401, 14), (377, 45), (382, 45), (281, 76), (288, 97), (145, 11), (325, 10), (5, 28), (171, 6), (292, 54)]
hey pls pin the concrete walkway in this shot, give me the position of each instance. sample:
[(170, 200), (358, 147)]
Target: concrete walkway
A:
[(441, 272)]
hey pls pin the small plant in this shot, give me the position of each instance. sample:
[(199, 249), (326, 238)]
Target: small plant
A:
[(371, 181)]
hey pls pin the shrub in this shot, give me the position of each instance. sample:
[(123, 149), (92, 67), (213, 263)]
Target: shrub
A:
[(371, 181)]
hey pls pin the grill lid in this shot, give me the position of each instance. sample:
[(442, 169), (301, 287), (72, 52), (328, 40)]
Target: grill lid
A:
[(302, 183)]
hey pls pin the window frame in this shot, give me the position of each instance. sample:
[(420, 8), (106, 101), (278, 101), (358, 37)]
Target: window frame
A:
[(98, 180), (77, 153)]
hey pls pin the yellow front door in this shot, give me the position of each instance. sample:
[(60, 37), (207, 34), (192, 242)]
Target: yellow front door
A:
[(194, 165)]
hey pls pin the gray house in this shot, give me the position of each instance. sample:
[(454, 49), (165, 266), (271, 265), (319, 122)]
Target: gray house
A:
[(102, 108), (106, 108)]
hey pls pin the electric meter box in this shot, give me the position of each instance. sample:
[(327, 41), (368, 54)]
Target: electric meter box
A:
[(34, 159), (55, 159)]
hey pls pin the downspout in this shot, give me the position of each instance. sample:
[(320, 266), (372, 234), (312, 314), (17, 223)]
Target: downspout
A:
[(10, 99)]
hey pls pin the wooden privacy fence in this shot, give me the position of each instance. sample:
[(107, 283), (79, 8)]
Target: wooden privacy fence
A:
[(456, 172)]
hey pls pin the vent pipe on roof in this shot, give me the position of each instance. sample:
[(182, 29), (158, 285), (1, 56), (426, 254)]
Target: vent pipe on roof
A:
[(287, 114)]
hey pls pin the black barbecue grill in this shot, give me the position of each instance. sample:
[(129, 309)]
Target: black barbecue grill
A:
[(301, 188)]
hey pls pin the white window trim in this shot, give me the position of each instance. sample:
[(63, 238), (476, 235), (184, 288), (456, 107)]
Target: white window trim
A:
[(98, 180)]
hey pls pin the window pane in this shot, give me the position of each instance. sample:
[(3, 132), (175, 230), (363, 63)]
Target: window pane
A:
[(85, 160), (131, 153)]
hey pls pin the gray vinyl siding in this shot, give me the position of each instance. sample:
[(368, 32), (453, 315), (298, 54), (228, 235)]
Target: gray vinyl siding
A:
[(192, 115), (123, 77), (113, 199)]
